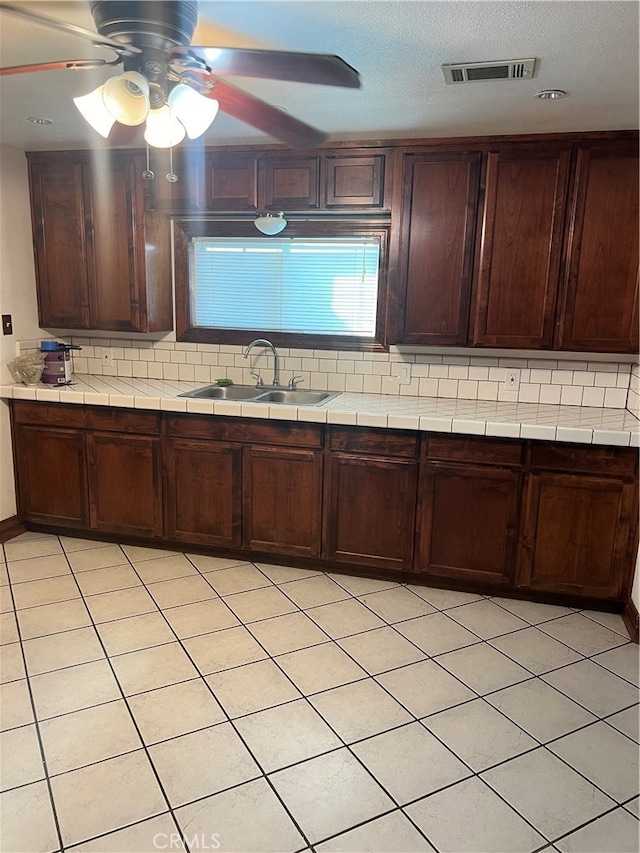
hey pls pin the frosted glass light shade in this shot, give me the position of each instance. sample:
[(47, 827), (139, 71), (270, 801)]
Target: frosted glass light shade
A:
[(163, 129), (95, 112), (126, 97), (270, 223), (195, 111)]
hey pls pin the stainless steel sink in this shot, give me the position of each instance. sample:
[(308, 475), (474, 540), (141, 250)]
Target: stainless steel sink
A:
[(296, 398), (224, 392), (251, 394)]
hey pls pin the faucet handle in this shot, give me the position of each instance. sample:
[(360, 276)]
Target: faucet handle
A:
[(257, 377), (293, 381)]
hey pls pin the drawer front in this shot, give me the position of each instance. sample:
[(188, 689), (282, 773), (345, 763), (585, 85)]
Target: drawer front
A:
[(49, 414), (244, 431), (472, 449), (377, 442), (617, 461), (123, 420)]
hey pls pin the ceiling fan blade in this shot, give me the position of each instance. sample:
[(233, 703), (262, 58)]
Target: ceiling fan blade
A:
[(63, 26), (68, 64), (263, 116), (317, 68)]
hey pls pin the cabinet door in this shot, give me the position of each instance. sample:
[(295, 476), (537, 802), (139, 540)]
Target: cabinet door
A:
[(521, 247), (203, 488), (370, 511), (467, 518), (129, 251), (292, 184), (355, 181), (576, 534), (125, 484), (282, 499), (600, 306), (436, 252), (188, 192), (116, 267), (231, 182), (51, 476), (58, 216)]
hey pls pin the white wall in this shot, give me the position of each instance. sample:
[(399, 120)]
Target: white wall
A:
[(17, 294)]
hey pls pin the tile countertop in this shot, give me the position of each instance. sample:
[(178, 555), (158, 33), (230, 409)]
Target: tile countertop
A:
[(435, 414)]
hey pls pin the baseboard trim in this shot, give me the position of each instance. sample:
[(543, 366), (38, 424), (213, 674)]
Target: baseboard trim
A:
[(630, 616), (10, 528)]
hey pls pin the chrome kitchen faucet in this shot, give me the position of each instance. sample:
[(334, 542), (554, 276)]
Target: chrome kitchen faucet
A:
[(276, 365)]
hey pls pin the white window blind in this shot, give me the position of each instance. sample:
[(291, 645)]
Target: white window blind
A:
[(321, 286)]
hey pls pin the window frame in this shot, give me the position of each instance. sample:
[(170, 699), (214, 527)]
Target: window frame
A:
[(186, 229)]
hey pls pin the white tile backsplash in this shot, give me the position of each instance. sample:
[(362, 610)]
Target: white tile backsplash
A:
[(557, 380)]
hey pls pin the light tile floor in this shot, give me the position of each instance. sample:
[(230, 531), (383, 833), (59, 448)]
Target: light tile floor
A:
[(152, 700)]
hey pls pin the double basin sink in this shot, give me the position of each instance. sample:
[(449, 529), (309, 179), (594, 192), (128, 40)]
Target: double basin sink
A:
[(250, 394)]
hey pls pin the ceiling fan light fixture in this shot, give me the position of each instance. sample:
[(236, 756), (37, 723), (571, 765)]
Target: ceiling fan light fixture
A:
[(94, 111), (163, 129), (270, 223), (195, 111), (126, 97)]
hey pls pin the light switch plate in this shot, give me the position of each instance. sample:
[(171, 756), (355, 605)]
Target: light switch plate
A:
[(107, 357), (512, 379)]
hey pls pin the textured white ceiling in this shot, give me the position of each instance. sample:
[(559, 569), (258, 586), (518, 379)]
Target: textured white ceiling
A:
[(590, 49)]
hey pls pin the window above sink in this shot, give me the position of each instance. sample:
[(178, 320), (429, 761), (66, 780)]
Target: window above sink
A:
[(321, 285)]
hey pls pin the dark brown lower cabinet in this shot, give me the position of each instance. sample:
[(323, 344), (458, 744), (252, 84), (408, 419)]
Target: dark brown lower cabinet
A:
[(282, 500), (579, 521), (544, 520), (125, 491), (51, 475), (203, 489), (468, 509), (370, 497)]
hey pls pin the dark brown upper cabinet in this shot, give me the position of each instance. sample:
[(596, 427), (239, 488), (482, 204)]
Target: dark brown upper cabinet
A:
[(101, 261), (187, 193), (439, 210), (58, 217), (292, 183), (520, 247), (356, 180), (231, 181), (599, 308)]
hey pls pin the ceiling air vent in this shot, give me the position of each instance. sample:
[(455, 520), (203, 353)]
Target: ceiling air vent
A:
[(468, 72)]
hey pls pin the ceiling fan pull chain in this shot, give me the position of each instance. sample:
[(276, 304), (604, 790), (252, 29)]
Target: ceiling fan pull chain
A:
[(171, 175), (148, 175)]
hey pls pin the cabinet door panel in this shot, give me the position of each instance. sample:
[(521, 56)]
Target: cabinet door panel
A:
[(521, 246), (187, 193), (231, 181), (52, 481), (58, 215), (355, 181), (292, 183), (116, 270), (438, 234), (576, 534), (600, 310), (467, 522), (125, 484), (282, 494), (203, 491), (370, 511)]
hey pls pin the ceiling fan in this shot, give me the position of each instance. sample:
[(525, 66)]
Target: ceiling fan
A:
[(173, 86)]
